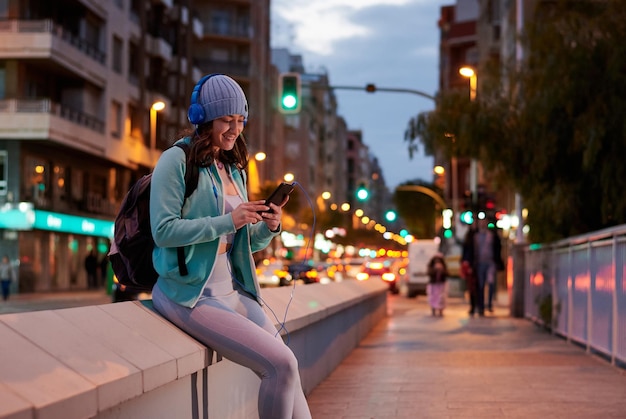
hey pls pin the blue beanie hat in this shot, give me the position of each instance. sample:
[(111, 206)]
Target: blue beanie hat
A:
[(220, 95)]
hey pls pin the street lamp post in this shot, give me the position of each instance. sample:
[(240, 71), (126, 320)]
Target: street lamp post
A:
[(470, 73), (255, 176), (156, 107)]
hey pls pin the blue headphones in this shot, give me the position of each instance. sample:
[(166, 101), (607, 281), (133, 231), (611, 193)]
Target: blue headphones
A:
[(195, 113)]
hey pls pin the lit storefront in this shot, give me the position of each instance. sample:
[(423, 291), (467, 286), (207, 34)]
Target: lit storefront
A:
[(52, 246)]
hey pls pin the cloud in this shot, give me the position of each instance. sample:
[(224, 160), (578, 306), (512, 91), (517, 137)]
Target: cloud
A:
[(391, 43), (318, 25)]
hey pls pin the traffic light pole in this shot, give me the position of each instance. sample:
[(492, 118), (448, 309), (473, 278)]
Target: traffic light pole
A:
[(371, 88)]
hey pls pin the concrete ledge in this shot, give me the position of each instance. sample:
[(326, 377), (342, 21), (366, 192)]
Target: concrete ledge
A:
[(125, 361)]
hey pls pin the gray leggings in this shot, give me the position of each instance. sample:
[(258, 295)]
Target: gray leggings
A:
[(238, 328)]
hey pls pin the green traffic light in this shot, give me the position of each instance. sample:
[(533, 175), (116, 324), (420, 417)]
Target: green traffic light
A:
[(289, 93), (467, 217), (289, 101), (391, 216), (447, 234), (362, 194)]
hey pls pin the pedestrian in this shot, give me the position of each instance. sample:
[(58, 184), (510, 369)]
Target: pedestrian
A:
[(104, 269), (484, 254), (218, 301), (467, 272), (7, 276), (91, 267), (436, 288)]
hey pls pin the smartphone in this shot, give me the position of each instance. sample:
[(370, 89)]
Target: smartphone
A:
[(279, 195)]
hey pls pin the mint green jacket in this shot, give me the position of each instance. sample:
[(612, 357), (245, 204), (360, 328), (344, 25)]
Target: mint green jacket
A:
[(198, 229)]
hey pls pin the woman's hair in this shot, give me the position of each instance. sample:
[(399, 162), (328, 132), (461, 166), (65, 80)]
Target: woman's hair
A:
[(202, 154)]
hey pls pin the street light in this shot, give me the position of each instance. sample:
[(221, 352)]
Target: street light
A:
[(255, 177), (156, 107), (470, 73)]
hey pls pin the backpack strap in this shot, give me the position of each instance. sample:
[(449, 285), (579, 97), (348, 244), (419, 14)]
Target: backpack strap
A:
[(192, 173)]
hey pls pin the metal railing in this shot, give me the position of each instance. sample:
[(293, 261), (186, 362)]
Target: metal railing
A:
[(48, 26), (47, 106), (577, 287)]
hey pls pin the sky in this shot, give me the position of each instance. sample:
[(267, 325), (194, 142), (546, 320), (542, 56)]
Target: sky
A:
[(391, 43)]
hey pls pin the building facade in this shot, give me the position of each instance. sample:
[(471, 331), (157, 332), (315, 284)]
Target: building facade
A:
[(78, 79)]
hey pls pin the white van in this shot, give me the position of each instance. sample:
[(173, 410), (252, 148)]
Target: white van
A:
[(420, 253)]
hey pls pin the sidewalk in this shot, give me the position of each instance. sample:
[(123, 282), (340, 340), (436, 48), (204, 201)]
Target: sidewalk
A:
[(413, 365), (18, 303)]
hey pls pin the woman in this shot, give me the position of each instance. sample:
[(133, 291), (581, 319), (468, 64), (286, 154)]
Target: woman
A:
[(218, 301)]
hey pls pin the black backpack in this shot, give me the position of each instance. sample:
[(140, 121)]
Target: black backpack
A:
[(131, 250)]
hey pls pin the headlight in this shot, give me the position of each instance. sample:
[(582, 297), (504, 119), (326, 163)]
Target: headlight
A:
[(362, 276), (389, 277)]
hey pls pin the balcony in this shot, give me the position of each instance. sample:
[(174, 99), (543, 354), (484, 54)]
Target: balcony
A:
[(197, 27), (233, 68), (230, 32), (44, 119), (166, 3), (43, 39), (158, 47)]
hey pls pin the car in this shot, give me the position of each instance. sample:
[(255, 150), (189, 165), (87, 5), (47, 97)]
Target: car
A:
[(352, 267), (420, 253), (400, 270), (309, 273), (272, 273), (388, 269), (299, 270)]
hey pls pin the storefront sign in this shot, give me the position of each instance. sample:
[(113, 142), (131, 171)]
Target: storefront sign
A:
[(64, 223)]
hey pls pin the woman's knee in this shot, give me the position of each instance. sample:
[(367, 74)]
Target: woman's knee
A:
[(286, 363)]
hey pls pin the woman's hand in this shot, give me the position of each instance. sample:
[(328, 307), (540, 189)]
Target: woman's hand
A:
[(248, 213), (272, 218)]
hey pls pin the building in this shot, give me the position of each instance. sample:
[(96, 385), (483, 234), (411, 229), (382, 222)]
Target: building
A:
[(315, 138), (78, 79), (458, 48)]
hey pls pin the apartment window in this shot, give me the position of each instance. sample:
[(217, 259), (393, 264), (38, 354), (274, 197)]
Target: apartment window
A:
[(4, 173), (220, 22), (134, 122), (77, 182), (118, 48), (92, 32), (115, 119), (59, 182), (2, 80), (493, 11), (133, 64), (36, 180)]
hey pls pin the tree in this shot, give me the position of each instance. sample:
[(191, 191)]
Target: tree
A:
[(553, 128), (418, 211)]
